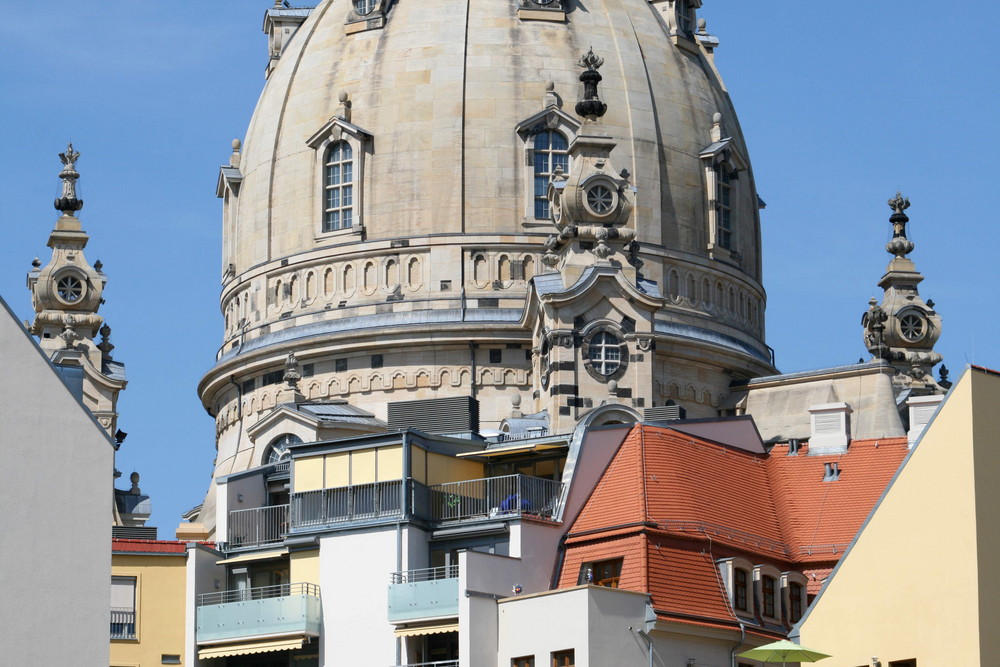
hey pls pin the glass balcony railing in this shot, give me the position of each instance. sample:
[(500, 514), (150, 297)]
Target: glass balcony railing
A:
[(256, 612), (421, 594)]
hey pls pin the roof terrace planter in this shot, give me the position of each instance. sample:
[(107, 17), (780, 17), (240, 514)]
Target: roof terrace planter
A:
[(268, 611), (417, 595), (509, 496), (257, 526), (347, 504)]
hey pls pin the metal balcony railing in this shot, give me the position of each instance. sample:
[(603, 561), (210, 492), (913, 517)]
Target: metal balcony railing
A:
[(510, 495), (425, 574), (347, 504), (257, 526), (440, 663), (259, 593), (122, 623)]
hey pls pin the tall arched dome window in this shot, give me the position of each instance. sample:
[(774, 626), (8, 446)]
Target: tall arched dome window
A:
[(551, 150), (339, 187), (279, 450)]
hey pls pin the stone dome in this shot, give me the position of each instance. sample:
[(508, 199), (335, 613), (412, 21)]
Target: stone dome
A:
[(447, 120)]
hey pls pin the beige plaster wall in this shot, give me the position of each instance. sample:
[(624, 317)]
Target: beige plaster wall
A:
[(910, 586)]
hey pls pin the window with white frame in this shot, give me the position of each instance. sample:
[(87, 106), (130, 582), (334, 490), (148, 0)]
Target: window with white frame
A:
[(737, 577), (793, 592), (766, 578), (338, 196), (123, 607), (551, 150)]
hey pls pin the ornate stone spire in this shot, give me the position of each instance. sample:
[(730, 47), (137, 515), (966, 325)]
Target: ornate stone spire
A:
[(903, 328), (900, 246), (68, 202), (591, 106)]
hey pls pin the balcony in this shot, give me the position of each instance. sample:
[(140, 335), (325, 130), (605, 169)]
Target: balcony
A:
[(347, 504), (506, 497), (288, 609), (257, 527), (421, 594), (122, 623), (440, 663)]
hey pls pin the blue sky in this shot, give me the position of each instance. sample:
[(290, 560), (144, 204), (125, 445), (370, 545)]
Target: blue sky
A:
[(841, 106)]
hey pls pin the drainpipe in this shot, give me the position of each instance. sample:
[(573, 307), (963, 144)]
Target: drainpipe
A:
[(737, 645), (472, 361)]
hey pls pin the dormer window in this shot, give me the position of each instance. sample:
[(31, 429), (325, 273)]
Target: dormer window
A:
[(279, 450), (768, 589), (741, 587), (340, 148), (723, 164), (338, 187), (601, 573), (550, 151)]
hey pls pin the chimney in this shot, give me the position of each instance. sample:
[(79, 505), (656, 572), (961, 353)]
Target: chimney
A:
[(922, 408), (830, 428)]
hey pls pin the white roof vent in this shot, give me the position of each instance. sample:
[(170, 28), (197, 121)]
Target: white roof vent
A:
[(830, 428), (922, 408)]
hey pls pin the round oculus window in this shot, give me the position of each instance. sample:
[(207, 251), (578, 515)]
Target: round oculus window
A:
[(912, 327), (601, 199), (605, 353), (69, 289)]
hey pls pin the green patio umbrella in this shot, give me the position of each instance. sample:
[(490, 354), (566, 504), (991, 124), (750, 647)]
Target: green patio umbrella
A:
[(785, 651)]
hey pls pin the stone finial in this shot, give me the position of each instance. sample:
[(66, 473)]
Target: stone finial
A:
[(591, 106), (292, 373), (943, 374), (900, 246), (135, 490), (105, 345), (551, 98), (98, 266), (716, 127), (344, 108), (36, 263), (68, 203), (236, 157)]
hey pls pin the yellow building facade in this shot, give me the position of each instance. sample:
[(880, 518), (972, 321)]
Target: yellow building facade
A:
[(916, 585), (148, 604)]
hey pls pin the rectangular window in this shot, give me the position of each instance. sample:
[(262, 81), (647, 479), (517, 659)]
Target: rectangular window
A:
[(563, 659), (601, 573), (526, 661), (274, 377), (248, 386), (496, 356), (740, 579), (170, 659), (767, 590), (794, 602), (912, 662), (122, 607), (340, 365), (376, 361)]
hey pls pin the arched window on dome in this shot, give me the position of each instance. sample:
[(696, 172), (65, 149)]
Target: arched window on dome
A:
[(279, 450), (338, 187), (550, 151), (723, 165), (339, 149)]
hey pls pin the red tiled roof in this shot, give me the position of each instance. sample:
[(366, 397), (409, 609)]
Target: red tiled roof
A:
[(671, 505), (151, 546), (821, 518)]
